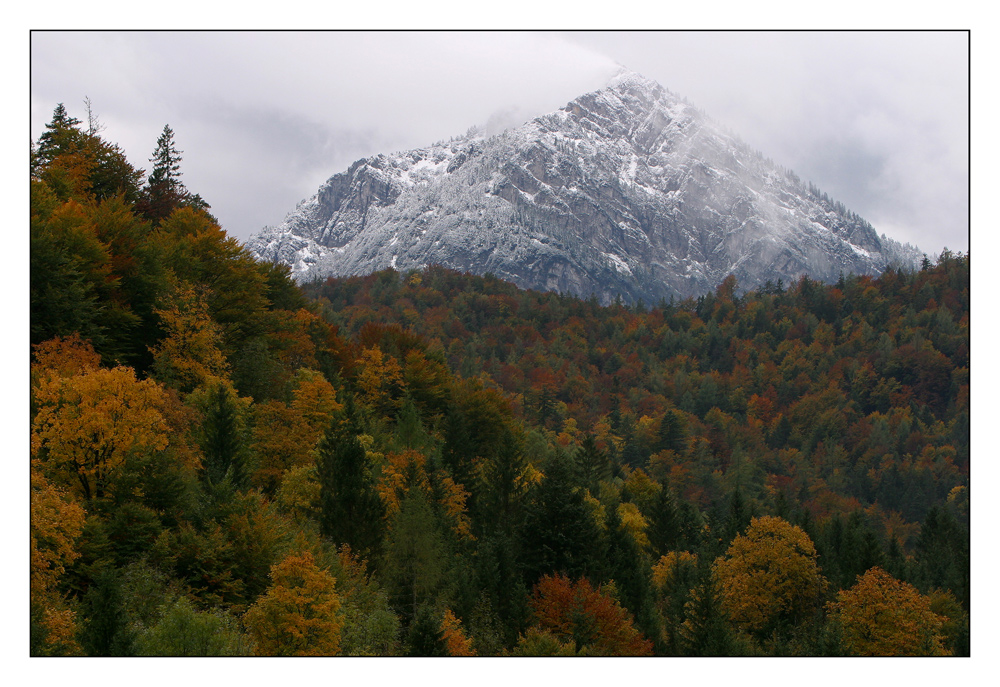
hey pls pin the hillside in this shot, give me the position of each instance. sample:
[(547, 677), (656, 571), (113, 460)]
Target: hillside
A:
[(434, 463)]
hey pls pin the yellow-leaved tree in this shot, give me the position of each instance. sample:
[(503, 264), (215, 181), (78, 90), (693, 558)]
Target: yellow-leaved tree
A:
[(190, 355), (769, 576), (56, 522), (88, 420), (298, 614), (882, 616)]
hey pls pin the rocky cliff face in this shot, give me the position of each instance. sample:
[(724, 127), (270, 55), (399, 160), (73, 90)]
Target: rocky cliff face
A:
[(625, 191)]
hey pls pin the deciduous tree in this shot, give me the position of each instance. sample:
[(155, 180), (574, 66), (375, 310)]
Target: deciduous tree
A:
[(56, 522), (592, 620), (88, 424), (297, 615), (882, 616), (769, 576)]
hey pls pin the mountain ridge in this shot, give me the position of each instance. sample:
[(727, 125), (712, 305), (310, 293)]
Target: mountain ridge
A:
[(627, 191)]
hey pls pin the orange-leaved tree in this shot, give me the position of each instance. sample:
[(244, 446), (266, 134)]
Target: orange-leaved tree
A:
[(455, 639), (883, 616), (298, 614), (590, 618), (190, 355)]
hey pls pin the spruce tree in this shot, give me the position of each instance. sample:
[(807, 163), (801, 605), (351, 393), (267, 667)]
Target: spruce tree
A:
[(559, 534), (223, 441), (673, 433), (60, 135), (163, 191), (593, 464), (351, 510), (426, 637)]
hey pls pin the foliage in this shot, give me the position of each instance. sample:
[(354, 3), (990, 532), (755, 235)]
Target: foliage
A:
[(88, 424), (297, 615), (185, 631), (442, 444), (189, 356), (769, 576), (56, 522), (455, 639), (882, 616), (593, 621)]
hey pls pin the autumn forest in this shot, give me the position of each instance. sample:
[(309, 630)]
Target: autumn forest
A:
[(431, 463)]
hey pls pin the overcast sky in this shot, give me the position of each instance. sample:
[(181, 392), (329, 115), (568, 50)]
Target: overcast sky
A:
[(878, 120)]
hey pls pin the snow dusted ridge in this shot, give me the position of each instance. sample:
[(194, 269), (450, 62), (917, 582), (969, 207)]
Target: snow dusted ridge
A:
[(624, 191)]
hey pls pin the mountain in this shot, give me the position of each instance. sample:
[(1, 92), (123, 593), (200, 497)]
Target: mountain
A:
[(626, 191)]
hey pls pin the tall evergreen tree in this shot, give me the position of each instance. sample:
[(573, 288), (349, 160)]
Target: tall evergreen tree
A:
[(416, 561), (350, 508), (60, 135), (629, 568), (559, 534), (223, 440), (163, 191), (426, 637), (592, 463), (106, 631), (673, 433), (705, 630)]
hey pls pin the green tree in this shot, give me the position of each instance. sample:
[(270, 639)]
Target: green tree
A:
[(559, 534), (426, 637), (163, 191), (106, 631), (351, 511), (593, 464), (416, 558), (673, 434), (705, 630), (185, 631), (224, 436)]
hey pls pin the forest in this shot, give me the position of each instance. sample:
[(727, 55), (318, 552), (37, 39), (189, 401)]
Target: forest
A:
[(432, 463)]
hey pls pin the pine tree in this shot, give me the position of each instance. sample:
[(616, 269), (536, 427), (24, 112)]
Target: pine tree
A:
[(426, 637), (224, 443), (630, 570), (673, 433), (416, 561), (705, 630)]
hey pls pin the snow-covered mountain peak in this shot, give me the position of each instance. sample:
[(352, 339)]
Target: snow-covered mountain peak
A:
[(626, 190)]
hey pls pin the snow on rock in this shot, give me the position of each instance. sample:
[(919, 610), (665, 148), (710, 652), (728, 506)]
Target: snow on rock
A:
[(626, 191)]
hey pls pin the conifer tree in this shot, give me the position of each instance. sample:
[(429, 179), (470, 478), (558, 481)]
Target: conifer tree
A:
[(163, 191), (57, 138), (673, 433), (426, 636), (351, 511), (224, 442), (593, 464), (559, 534)]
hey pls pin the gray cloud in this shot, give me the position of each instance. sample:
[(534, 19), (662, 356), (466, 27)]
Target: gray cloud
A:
[(877, 120)]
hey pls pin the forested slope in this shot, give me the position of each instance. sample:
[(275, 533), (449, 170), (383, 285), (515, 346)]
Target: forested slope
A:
[(433, 463)]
